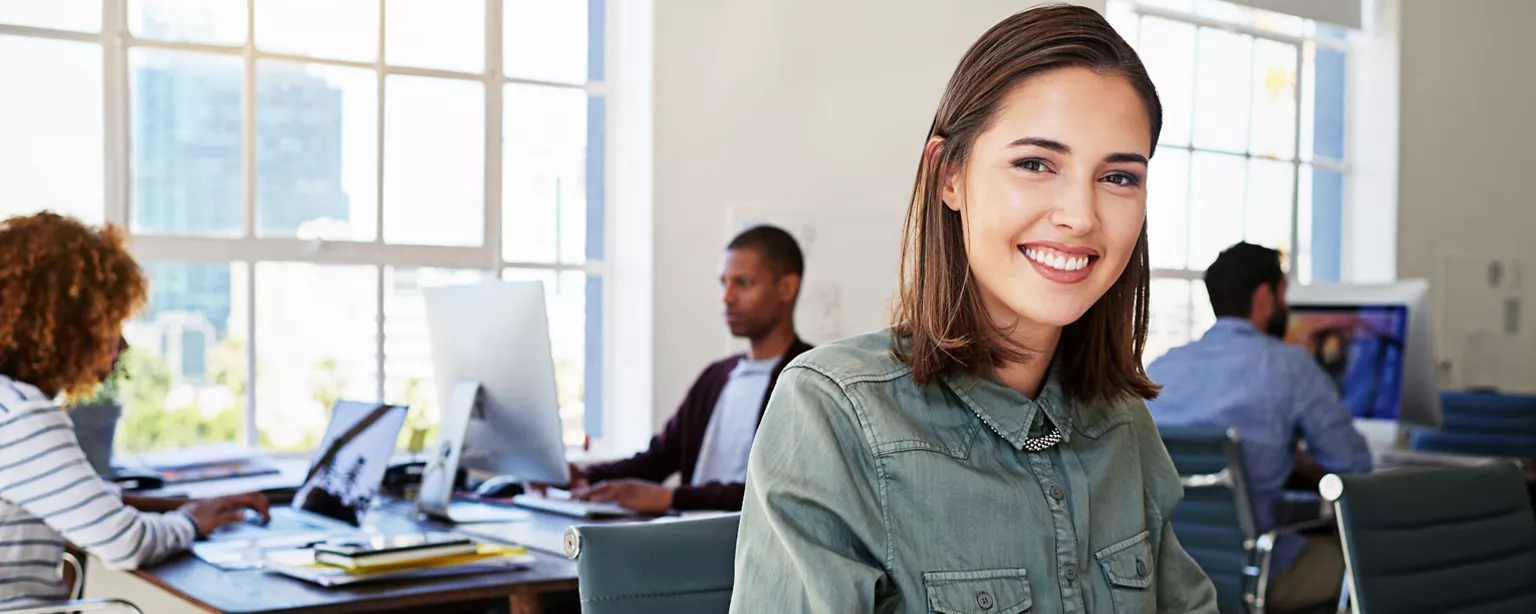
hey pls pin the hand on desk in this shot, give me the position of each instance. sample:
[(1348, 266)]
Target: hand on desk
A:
[(210, 514), (638, 495)]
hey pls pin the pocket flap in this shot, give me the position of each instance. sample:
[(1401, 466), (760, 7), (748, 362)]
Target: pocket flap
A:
[(993, 591), (1128, 564)]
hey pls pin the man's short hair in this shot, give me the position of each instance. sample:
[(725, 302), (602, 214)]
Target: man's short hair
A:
[(779, 250), (1239, 271)]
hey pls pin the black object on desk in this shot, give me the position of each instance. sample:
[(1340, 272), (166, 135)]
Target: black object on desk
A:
[(136, 482)]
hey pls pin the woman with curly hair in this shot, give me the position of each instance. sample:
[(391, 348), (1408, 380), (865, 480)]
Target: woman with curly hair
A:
[(65, 290)]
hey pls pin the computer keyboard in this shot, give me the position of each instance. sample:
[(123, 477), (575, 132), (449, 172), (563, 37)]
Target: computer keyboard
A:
[(572, 507)]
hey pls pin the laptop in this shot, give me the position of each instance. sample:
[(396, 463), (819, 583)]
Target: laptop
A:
[(344, 475)]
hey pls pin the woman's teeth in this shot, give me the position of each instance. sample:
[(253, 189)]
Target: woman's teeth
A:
[(1055, 259)]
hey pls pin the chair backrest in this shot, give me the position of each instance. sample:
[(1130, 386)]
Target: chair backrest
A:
[(655, 567), (1476, 442), (1215, 521), (1441, 539), (1491, 413)]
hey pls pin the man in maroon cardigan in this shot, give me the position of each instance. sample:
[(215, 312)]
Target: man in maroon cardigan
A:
[(706, 442)]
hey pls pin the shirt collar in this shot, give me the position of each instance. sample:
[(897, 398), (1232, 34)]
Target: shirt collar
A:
[(1233, 325), (1009, 413)]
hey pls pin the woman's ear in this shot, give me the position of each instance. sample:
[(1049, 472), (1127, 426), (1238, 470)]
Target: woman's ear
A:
[(933, 154)]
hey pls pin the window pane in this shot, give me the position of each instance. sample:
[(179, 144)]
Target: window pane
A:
[(1328, 74), (1265, 20), (186, 142), (1168, 50), (1327, 225), (186, 370), (78, 15), (434, 162), (316, 151), (337, 29), (218, 22), (565, 295), (1271, 193), (1215, 206), (1168, 326), (1222, 92), (1204, 317), (445, 35), (544, 204), (316, 343), (1273, 129), (545, 40), (407, 348), (51, 151), (1125, 21), (1168, 208)]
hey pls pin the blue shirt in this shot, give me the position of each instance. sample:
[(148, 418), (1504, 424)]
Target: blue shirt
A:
[(1238, 377)]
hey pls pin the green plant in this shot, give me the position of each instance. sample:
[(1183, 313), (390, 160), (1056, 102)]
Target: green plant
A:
[(107, 392)]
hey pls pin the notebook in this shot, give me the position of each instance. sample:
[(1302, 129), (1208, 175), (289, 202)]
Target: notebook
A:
[(381, 550)]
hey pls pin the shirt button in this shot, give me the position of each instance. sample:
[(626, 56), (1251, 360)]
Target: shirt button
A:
[(1057, 493), (1071, 573), (1141, 568), (985, 601)]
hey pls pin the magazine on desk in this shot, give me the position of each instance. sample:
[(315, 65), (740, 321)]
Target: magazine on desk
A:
[(488, 558)]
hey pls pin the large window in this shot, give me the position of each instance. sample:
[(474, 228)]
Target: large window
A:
[(1252, 146), (294, 174)]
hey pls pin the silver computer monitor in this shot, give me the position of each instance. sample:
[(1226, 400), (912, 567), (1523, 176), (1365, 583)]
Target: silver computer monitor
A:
[(1376, 342), (496, 334)]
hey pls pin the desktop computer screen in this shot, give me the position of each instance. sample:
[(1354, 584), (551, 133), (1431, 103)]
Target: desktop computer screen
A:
[(1361, 348)]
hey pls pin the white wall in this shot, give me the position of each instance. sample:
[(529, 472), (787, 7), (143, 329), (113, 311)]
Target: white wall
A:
[(803, 104), (1467, 187)]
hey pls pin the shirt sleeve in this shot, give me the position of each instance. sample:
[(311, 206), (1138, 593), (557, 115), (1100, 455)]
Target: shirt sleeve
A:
[(812, 535), (1325, 423), (44, 471)]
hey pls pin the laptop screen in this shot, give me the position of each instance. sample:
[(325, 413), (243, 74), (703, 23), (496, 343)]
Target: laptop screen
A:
[(350, 462), (1360, 347)]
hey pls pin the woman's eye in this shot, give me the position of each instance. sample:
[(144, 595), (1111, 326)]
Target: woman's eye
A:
[(1124, 180), (1033, 165)]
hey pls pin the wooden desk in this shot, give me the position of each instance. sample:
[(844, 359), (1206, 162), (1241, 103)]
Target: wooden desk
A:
[(257, 592)]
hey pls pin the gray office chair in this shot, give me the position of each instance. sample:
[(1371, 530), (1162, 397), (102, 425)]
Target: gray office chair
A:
[(74, 603), (1445, 539), (1215, 522), (655, 567)]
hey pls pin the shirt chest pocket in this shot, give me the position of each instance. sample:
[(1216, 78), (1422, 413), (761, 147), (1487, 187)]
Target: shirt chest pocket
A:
[(995, 591), (1128, 568)]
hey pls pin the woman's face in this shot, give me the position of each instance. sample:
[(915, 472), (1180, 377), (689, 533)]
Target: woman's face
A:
[(1053, 196)]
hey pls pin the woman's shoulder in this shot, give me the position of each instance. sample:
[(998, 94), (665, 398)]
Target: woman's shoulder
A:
[(861, 358)]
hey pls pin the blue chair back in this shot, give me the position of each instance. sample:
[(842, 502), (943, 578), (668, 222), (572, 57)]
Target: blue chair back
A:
[(1446, 539), (1215, 521), (655, 567), (1482, 423)]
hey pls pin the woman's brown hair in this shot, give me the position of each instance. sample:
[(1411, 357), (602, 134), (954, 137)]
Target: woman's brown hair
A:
[(940, 322), (65, 290)]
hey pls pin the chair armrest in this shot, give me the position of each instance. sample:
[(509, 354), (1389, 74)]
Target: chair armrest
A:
[(77, 605)]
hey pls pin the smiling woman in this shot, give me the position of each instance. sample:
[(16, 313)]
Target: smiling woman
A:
[(993, 449)]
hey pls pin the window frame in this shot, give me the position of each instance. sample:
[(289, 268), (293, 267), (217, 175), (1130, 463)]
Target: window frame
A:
[(1299, 267), (116, 41)]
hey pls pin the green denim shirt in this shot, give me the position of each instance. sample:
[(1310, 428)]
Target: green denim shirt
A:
[(869, 493)]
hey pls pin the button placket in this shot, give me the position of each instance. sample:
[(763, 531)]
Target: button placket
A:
[(1045, 474)]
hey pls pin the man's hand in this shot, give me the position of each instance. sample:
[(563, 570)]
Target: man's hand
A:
[(638, 495), (576, 481), (210, 514)]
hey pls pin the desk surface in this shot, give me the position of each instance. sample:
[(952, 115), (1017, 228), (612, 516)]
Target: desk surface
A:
[(256, 591)]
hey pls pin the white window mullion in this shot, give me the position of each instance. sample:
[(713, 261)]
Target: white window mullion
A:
[(1295, 252), (494, 90), (248, 103), (378, 234), (115, 92)]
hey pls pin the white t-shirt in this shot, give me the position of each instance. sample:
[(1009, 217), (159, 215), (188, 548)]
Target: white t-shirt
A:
[(728, 438)]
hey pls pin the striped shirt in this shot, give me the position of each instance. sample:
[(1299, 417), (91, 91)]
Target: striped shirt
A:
[(50, 494)]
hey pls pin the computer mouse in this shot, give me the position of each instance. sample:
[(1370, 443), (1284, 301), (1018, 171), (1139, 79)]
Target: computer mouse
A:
[(499, 487)]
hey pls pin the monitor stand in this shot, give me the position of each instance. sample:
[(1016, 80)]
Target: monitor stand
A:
[(435, 497)]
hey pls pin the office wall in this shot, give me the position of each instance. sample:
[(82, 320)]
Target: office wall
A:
[(803, 105), (1466, 187)]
